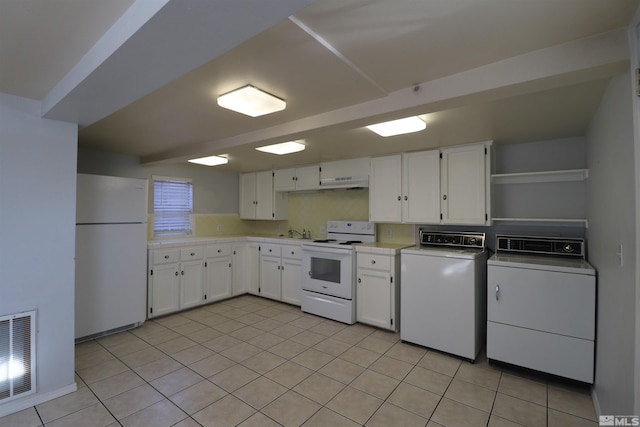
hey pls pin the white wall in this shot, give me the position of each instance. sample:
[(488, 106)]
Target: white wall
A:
[(214, 191), (37, 235), (611, 212)]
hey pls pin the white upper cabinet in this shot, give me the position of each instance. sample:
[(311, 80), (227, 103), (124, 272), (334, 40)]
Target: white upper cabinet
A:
[(465, 185), (421, 187), (405, 188), (385, 189), (301, 178), (448, 186), (258, 200)]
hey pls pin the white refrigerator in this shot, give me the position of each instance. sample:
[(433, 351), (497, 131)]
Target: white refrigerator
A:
[(111, 254)]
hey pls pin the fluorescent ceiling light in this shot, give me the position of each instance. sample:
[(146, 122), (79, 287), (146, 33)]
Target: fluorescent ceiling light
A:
[(398, 127), (283, 148), (210, 161), (251, 101)]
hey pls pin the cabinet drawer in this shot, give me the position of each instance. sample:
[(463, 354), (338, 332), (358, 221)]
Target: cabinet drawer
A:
[(166, 256), (188, 254), (271, 250), (212, 251), (374, 262), (294, 252)]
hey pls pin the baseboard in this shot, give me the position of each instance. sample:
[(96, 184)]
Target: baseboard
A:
[(596, 404), (34, 399)]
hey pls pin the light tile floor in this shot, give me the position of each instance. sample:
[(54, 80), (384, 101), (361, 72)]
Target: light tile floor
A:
[(250, 361)]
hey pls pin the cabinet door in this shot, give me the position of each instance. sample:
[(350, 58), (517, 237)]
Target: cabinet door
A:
[(270, 277), (192, 281), (238, 266), (374, 298), (248, 195), (264, 195), (385, 189), (164, 292), (463, 185), (284, 179), (251, 271), (421, 187), (218, 278), (308, 178), (291, 280)]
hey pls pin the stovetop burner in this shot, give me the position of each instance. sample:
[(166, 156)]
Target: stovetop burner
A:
[(324, 241), (350, 242)]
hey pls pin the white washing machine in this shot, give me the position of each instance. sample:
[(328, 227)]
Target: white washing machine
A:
[(443, 294), (541, 305)]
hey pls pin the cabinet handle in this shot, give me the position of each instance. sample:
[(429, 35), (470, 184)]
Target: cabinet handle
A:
[(219, 250), (293, 253), (166, 257), (193, 253), (399, 198), (176, 273), (444, 197), (497, 292), (406, 198), (373, 261), (182, 272), (359, 280)]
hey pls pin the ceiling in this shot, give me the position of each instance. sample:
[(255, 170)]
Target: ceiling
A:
[(141, 78)]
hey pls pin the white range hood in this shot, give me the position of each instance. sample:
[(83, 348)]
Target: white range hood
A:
[(353, 173)]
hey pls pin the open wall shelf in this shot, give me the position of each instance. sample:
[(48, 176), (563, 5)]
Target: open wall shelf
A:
[(539, 177)]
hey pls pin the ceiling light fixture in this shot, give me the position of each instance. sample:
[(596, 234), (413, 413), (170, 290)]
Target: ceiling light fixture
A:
[(210, 161), (251, 101), (398, 127), (283, 148)]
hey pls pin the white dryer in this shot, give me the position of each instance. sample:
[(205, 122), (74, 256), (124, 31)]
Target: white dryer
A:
[(443, 294), (541, 305)]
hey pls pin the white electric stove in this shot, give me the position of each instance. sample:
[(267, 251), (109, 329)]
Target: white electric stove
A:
[(328, 265)]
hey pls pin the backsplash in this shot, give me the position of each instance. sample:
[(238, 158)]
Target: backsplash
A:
[(308, 211)]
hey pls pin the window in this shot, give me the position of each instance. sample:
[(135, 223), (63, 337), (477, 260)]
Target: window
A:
[(172, 206)]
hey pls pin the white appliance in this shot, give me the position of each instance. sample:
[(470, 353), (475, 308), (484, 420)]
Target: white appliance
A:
[(328, 270), (111, 238), (541, 305), (443, 294)]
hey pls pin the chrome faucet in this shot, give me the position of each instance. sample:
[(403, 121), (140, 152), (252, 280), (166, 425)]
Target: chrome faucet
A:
[(305, 234)]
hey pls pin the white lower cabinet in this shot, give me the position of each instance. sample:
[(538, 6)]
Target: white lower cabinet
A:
[(281, 272), (164, 289), (378, 290), (188, 276), (270, 271), (291, 274), (245, 261), (176, 279), (218, 272)]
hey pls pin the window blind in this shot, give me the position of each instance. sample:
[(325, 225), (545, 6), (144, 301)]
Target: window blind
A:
[(172, 206)]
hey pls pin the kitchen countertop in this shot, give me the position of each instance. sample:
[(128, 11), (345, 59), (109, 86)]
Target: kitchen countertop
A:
[(182, 241), (382, 248)]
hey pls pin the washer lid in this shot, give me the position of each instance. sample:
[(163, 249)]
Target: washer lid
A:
[(534, 262), (435, 251)]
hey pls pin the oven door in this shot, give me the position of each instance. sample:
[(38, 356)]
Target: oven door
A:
[(328, 271)]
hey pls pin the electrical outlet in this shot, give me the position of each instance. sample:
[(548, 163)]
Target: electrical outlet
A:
[(389, 233), (219, 228)]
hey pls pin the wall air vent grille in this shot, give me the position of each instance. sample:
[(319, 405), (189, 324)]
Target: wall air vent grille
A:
[(17, 355)]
